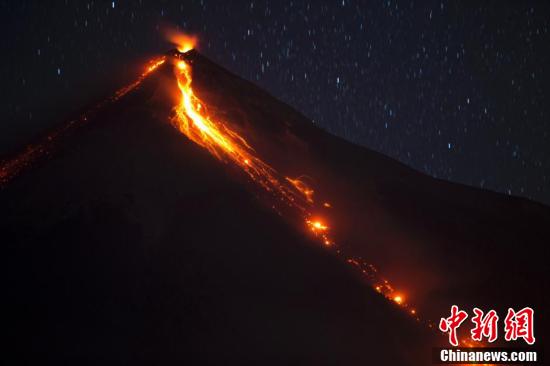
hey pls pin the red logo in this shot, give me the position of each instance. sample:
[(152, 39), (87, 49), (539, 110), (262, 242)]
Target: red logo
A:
[(485, 326), (516, 325), (452, 323), (520, 325)]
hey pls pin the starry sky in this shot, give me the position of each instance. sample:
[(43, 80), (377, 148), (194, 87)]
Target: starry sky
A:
[(459, 90)]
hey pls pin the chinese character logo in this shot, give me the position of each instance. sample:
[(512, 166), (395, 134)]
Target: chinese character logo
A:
[(519, 325), (485, 326), (516, 325), (452, 323)]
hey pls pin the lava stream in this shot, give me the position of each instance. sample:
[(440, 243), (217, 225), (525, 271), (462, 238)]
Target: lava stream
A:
[(193, 120), (10, 168)]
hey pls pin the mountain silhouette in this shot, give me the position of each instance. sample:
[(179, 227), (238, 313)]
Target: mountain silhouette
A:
[(128, 243)]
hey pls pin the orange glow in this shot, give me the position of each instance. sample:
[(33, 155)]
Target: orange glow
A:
[(470, 343), (303, 188), (12, 167), (382, 286), (317, 225), (319, 229), (183, 42), (192, 118), (398, 299), (151, 66)]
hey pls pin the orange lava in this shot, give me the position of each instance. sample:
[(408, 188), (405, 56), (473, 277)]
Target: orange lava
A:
[(12, 167), (194, 121), (151, 66), (303, 188)]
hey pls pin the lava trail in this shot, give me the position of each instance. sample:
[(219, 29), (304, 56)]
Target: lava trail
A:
[(194, 121), (192, 118), (12, 167)]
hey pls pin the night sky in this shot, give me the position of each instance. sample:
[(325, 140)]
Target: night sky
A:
[(458, 90)]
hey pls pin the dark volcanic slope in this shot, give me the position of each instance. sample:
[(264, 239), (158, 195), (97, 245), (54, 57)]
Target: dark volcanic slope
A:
[(133, 245), (441, 243)]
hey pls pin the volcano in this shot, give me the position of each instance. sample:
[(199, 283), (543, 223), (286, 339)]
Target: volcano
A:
[(133, 238)]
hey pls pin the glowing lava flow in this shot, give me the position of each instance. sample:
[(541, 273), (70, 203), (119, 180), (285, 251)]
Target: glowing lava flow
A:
[(193, 120), (301, 186), (151, 66), (9, 168)]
